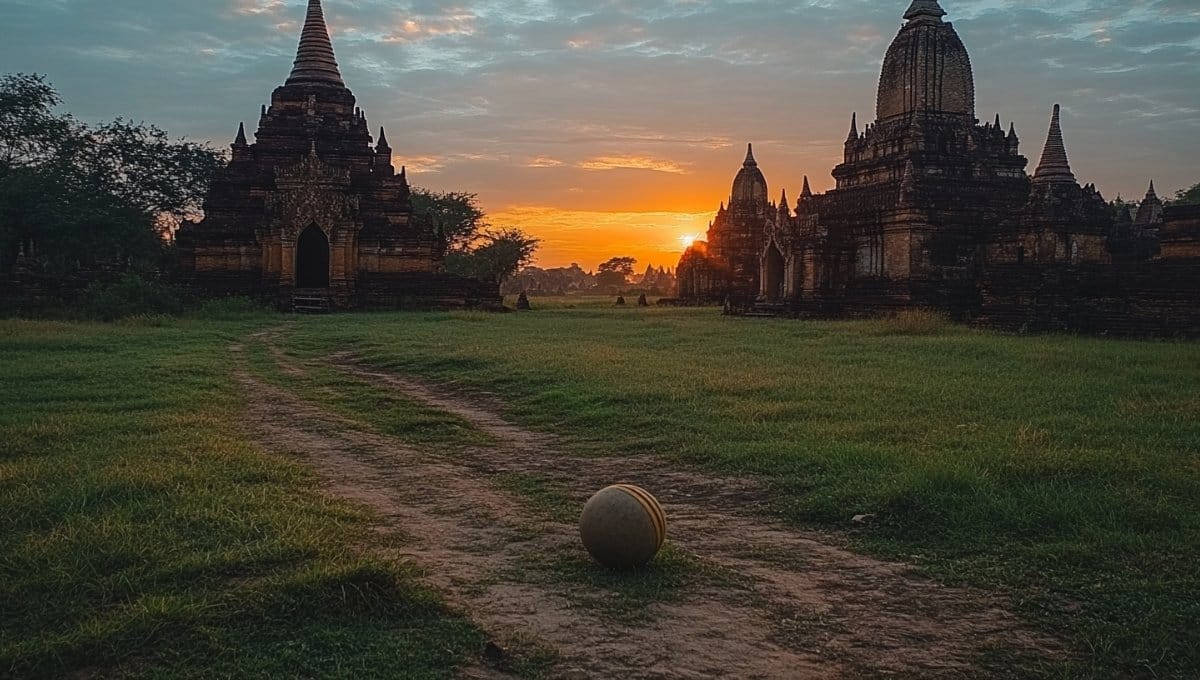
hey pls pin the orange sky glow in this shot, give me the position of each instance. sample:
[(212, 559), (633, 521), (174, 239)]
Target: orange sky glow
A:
[(649, 204), (588, 238)]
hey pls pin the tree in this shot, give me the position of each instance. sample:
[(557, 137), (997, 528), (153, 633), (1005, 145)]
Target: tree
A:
[(88, 195), (1187, 196), (30, 133), (457, 214), (142, 166), (615, 272), (496, 255)]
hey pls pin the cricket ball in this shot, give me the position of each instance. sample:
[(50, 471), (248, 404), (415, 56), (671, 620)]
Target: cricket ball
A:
[(623, 527)]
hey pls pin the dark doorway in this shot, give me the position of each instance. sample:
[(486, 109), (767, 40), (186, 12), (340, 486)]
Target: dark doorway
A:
[(312, 259), (775, 266)]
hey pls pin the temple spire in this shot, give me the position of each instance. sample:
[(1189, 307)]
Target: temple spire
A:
[(315, 63), (925, 9), (750, 162), (853, 128), (240, 147), (383, 155), (807, 192), (1150, 193), (1054, 167)]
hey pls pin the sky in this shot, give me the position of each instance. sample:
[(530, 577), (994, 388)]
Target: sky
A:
[(615, 127)]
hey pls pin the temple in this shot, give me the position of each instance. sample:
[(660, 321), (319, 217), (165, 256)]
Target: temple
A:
[(313, 214), (735, 237), (934, 209)]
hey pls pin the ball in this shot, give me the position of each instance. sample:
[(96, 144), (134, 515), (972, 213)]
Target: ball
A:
[(623, 527)]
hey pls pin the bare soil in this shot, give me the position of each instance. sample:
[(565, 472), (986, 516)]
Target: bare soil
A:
[(794, 604)]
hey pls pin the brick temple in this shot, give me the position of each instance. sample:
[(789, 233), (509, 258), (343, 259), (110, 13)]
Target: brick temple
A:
[(934, 209), (313, 212)]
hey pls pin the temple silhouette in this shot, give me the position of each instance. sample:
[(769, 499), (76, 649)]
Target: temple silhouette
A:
[(312, 215), (933, 209)]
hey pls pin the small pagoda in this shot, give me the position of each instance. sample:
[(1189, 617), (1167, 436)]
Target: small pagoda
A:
[(313, 214)]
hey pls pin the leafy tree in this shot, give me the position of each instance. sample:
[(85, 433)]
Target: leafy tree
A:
[(473, 250), (624, 265), (30, 133), (88, 195), (143, 167), (458, 214), (1188, 196), (615, 272), (496, 256)]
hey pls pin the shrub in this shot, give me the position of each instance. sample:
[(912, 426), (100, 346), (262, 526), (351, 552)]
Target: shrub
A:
[(230, 309), (132, 295), (912, 322)]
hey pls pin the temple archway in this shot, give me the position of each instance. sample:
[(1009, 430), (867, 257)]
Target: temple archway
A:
[(312, 259), (774, 273)]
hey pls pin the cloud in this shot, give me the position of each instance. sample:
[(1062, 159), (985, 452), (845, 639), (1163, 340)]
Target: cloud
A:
[(543, 162), (255, 7), (453, 22), (632, 163), (420, 164)]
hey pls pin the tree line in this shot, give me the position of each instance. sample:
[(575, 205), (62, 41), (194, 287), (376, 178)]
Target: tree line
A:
[(76, 197)]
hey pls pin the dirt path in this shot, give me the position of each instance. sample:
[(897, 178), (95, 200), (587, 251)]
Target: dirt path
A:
[(797, 607)]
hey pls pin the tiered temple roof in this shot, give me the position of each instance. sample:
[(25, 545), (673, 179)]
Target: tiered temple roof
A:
[(315, 62), (1054, 167)]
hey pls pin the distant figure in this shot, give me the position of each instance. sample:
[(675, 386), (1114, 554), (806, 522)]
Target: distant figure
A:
[(620, 300), (727, 309), (642, 301), (523, 303)]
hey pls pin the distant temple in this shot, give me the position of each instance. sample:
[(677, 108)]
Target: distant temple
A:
[(311, 214), (934, 209)]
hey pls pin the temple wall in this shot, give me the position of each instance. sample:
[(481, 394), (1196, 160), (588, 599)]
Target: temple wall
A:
[(897, 254), (1048, 247), (227, 258), (1153, 298), (1180, 233), (810, 275), (1181, 249), (378, 261), (1089, 248)]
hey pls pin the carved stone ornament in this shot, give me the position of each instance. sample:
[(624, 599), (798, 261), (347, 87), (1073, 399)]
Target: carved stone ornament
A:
[(312, 192)]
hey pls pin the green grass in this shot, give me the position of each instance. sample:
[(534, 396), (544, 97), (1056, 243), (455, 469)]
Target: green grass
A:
[(142, 535), (623, 596), (541, 495), (1063, 470), (371, 406)]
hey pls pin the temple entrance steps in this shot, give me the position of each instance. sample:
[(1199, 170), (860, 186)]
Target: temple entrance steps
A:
[(768, 310), (312, 301)]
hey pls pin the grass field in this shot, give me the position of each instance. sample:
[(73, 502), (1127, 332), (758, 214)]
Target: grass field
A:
[(144, 535)]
